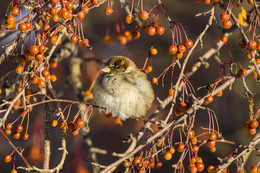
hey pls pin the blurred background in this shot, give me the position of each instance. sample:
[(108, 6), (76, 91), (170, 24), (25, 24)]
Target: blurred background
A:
[(231, 109)]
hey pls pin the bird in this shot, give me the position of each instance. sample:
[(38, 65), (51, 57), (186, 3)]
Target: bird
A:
[(123, 89)]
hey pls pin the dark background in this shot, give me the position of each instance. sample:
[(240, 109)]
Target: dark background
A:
[(231, 109)]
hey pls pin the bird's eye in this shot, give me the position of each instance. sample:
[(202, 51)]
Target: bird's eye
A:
[(117, 66)]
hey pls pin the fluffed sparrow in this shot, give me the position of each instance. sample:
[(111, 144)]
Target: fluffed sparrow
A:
[(122, 89)]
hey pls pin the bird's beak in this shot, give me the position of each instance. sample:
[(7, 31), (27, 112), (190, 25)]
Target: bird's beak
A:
[(106, 70)]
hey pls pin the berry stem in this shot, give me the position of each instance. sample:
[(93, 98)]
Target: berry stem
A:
[(132, 7)]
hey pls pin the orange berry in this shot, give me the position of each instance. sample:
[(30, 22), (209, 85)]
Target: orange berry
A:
[(107, 39), (28, 55), (75, 132), (209, 99), (149, 68), (19, 69), (81, 15), (211, 143), (207, 2), (188, 43), (246, 125), (53, 11), (171, 92), (43, 48), (53, 39), (19, 128), (224, 38), (194, 140), (94, 2), (108, 11), (41, 83), (54, 2), (213, 149), (220, 93), (171, 150), (191, 134), (8, 132), (39, 56), (151, 30), (53, 78), (15, 11), (13, 171), (136, 34), (22, 27), (64, 13), (254, 169), (172, 49), (224, 16), (74, 39), (213, 136), (54, 123), (80, 123), (10, 19), (69, 5), (144, 15), (160, 30), (179, 55), (168, 156), (137, 161), (25, 136), (181, 48), (252, 44), (180, 147), (16, 135), (158, 164), (53, 63), (35, 79), (159, 142), (252, 131), (200, 166), (153, 51), (7, 158), (129, 19), (127, 164), (45, 72), (211, 168), (254, 124), (46, 27), (34, 49), (227, 24), (154, 80), (242, 72), (8, 126), (55, 18), (254, 74)]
